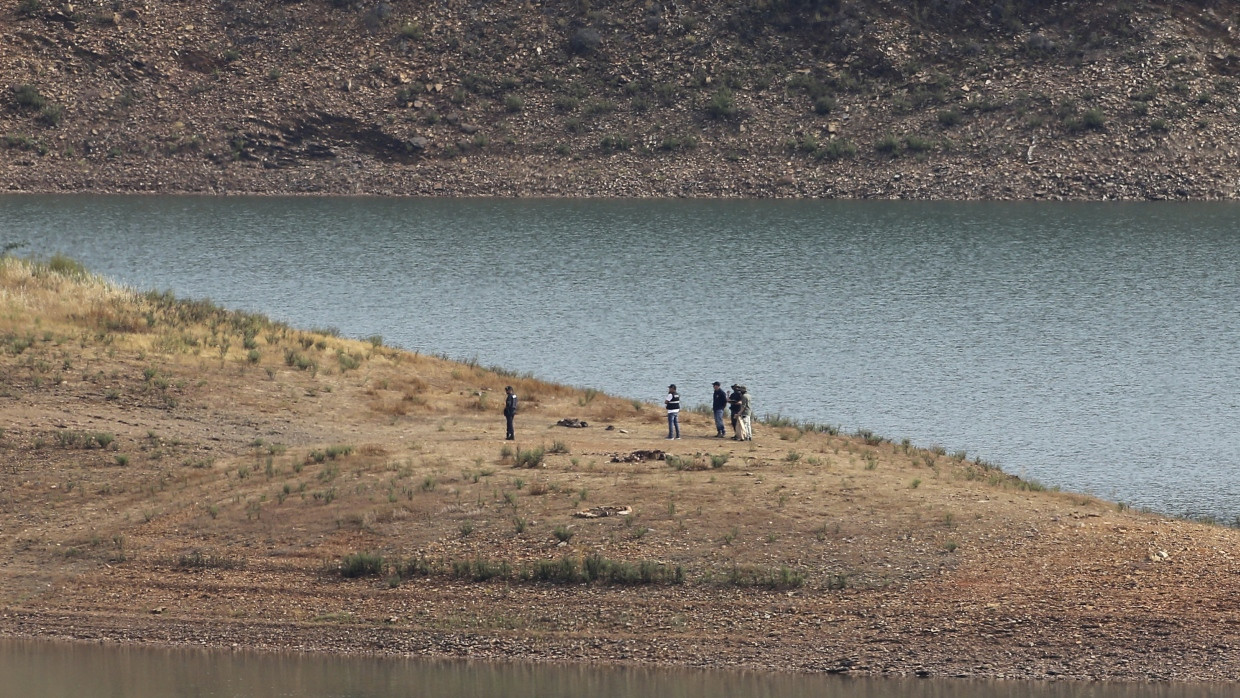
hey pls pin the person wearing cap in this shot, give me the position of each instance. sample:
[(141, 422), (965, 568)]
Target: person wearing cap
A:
[(734, 403), (673, 412), (720, 402), (746, 414)]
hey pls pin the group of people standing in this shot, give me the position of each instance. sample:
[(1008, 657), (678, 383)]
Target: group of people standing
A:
[(737, 402)]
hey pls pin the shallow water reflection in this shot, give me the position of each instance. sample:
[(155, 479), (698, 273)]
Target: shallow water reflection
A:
[(43, 669)]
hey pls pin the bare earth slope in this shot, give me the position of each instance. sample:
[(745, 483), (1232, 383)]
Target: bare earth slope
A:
[(935, 99), (175, 473)]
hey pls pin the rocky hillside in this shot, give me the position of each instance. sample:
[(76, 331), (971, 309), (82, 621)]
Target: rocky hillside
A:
[(814, 98)]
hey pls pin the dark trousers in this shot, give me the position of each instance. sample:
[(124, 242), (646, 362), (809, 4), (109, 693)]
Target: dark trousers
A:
[(508, 418)]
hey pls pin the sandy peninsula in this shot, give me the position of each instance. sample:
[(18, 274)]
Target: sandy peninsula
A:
[(175, 473)]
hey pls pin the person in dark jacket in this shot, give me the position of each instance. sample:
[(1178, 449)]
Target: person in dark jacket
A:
[(719, 404), (673, 412), (510, 409)]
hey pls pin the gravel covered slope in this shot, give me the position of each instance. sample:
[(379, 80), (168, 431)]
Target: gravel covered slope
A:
[(808, 98)]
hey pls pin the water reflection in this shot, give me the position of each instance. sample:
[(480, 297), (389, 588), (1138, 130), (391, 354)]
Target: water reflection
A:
[(41, 669)]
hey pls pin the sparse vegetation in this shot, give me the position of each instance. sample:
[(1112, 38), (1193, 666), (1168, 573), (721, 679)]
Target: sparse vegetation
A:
[(366, 564), (529, 457), (722, 104)]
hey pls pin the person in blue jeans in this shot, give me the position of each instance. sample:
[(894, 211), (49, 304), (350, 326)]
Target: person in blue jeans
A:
[(673, 412), (719, 404)]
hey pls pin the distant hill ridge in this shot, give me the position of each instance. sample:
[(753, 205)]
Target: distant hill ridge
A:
[(956, 99)]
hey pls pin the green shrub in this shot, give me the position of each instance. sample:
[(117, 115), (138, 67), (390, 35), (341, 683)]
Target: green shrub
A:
[(411, 31), (51, 114), (666, 93), (564, 571), (514, 103), (888, 144), (917, 144), (362, 565), (529, 458), (613, 143), (824, 104), (776, 579), (807, 144), (29, 96), (836, 149), (334, 452), (949, 117), (67, 267), (597, 568), (722, 104), (480, 570), (25, 142), (347, 361), (1090, 120), (599, 106), (198, 560)]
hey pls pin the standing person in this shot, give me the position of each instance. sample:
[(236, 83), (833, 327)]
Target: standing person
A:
[(718, 405), (510, 409), (734, 404), (673, 412), (746, 415)]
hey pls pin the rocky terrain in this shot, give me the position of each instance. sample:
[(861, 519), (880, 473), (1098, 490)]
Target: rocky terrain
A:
[(933, 99), (175, 473)]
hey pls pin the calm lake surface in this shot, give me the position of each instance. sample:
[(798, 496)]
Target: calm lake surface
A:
[(1087, 346), (60, 670)]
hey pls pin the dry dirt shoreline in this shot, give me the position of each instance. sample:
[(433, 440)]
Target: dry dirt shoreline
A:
[(165, 483)]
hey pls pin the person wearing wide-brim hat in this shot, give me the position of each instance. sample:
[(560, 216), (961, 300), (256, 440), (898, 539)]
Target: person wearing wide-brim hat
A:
[(746, 414), (673, 412), (734, 406)]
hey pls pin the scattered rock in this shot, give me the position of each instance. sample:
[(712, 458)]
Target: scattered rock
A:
[(639, 456), (603, 512)]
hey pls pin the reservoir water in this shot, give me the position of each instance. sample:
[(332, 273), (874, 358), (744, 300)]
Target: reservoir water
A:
[(1088, 346), (60, 670)]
